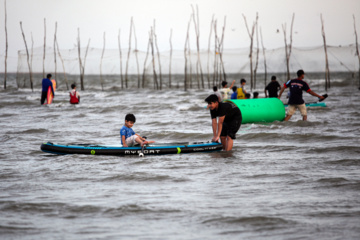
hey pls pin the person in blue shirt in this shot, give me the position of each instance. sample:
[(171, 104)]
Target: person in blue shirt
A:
[(296, 101), (127, 135), (234, 94), (46, 83)]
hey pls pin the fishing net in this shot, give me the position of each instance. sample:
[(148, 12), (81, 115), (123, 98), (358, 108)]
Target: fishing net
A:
[(142, 63)]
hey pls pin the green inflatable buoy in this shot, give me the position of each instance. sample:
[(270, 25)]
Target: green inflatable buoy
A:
[(260, 109)]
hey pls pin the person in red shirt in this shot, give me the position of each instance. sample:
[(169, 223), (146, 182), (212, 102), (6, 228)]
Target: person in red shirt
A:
[(74, 95)]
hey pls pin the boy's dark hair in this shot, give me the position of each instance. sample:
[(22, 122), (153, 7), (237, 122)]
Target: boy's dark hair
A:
[(300, 72), (224, 83), (256, 94), (273, 78), (212, 98), (73, 85), (215, 88), (242, 80), (48, 76), (130, 117), (247, 95), (234, 88)]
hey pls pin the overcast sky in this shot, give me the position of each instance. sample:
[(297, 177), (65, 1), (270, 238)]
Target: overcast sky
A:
[(94, 17)]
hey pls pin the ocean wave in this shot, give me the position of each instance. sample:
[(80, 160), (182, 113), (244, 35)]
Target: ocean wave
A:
[(29, 131), (335, 148), (71, 211), (131, 209), (5, 138), (345, 162), (8, 231), (143, 177), (262, 222), (339, 182)]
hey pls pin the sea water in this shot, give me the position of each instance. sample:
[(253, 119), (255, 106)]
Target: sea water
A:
[(282, 180)]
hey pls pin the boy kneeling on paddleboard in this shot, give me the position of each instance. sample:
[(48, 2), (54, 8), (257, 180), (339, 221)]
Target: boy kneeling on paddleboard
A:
[(128, 136)]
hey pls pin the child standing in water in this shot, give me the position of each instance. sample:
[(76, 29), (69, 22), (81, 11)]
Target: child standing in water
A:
[(128, 136), (74, 95), (241, 93)]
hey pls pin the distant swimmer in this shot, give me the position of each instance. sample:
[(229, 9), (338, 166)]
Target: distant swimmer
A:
[(229, 122), (273, 87), (296, 101)]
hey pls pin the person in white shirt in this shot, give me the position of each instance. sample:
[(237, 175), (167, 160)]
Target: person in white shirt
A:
[(225, 90), (215, 89)]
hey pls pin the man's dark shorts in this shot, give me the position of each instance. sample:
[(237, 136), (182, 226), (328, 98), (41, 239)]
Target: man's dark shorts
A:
[(230, 128), (43, 97)]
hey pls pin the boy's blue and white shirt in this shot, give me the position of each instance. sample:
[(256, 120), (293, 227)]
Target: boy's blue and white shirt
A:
[(127, 132)]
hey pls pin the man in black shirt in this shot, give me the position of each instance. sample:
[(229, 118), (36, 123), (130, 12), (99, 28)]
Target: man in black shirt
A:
[(229, 121), (296, 101), (273, 87)]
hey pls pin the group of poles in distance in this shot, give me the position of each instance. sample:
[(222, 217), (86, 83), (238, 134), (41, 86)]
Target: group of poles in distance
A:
[(219, 73)]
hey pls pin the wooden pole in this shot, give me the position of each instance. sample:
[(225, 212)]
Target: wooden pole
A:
[(208, 62), (215, 75), (121, 70), (146, 58), (220, 70), (185, 56), (251, 36), (28, 58), (158, 54), (156, 85), (63, 65), (221, 50), (86, 53), (327, 70), (136, 57), (263, 48), (128, 56), (257, 50), (101, 62), (44, 51), (288, 47), (6, 46), (80, 63), (197, 32), (55, 51), (32, 50), (190, 82), (171, 50), (357, 47)]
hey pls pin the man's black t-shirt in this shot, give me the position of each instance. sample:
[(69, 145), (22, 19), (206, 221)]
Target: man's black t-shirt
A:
[(297, 86), (227, 109), (273, 88)]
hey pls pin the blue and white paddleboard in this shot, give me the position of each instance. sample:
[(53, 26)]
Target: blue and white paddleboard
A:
[(150, 149)]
